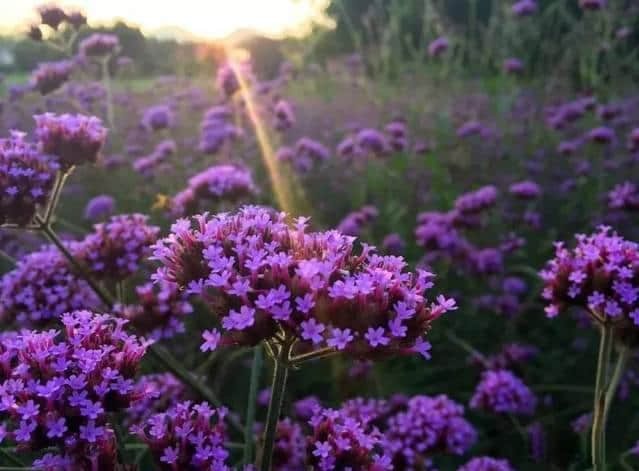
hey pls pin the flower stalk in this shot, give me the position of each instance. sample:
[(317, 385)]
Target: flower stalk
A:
[(598, 436)]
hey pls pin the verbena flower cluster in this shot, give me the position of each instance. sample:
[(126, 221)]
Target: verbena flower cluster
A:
[(158, 393), (115, 249), (304, 154), (26, 179), (74, 139), (49, 76), (342, 442), (599, 275), (355, 222), (215, 184), (500, 391), (58, 391), (217, 130), (158, 117), (187, 436), (261, 275), (158, 312), (427, 426), (99, 44), (42, 287), (486, 463), (99, 207)]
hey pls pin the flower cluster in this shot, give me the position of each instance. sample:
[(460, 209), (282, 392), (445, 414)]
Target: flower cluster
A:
[(476, 201), (216, 130), (115, 249), (99, 207), (624, 196), (284, 116), (226, 79), (157, 117), (525, 190), (438, 46), (354, 222), (51, 15), (158, 312), (49, 76), (427, 425), (26, 179), (486, 463), (304, 154), (74, 139), (151, 164), (98, 45), (185, 437), (599, 275), (500, 391), (42, 287), (59, 392), (261, 275), (289, 452), (158, 393), (342, 442), (217, 183)]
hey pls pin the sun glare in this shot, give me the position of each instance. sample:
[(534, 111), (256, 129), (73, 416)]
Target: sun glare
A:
[(206, 19)]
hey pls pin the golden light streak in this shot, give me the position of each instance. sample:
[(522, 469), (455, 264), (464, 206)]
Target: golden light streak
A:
[(286, 190)]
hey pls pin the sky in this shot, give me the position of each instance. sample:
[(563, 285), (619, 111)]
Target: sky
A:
[(206, 19)]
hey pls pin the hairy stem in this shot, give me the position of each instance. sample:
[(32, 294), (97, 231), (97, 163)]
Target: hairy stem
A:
[(598, 437), (280, 374), (256, 368)]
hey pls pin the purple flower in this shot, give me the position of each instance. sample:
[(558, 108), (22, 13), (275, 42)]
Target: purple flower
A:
[(74, 139), (157, 117), (99, 207), (211, 340), (525, 190), (339, 295), (26, 179), (486, 463), (98, 45), (500, 391), (51, 15), (49, 76), (186, 437), (438, 47)]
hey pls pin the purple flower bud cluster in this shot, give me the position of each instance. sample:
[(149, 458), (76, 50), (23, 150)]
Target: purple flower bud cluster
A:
[(26, 179), (582, 424), (156, 161), (216, 130), (158, 117), (513, 66), (49, 76), (99, 207), (58, 392), (115, 249), (593, 5), (42, 287), (284, 115), (438, 46), (601, 135), (261, 275), (393, 244), (524, 7), (74, 139), (599, 275), (500, 391), (98, 45), (525, 190), (218, 183), (289, 453), (51, 15), (486, 463), (158, 312), (304, 154), (186, 437), (77, 19), (561, 116), (342, 442), (624, 196), (226, 80), (158, 393), (633, 140), (355, 222), (371, 142), (477, 201), (428, 425)]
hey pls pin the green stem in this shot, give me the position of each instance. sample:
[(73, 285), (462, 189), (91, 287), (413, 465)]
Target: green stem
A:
[(106, 82), (5, 256), (620, 368), (256, 368), (53, 237), (11, 458), (598, 437), (321, 353), (280, 374)]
